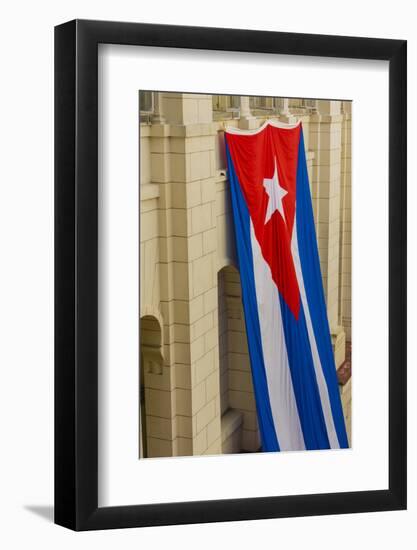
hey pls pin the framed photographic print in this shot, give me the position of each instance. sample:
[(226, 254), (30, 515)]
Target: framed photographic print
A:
[(230, 275)]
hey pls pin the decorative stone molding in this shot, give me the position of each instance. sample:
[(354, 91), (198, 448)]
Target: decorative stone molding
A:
[(153, 359)]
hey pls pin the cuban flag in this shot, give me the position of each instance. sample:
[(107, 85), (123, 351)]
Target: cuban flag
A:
[(293, 369)]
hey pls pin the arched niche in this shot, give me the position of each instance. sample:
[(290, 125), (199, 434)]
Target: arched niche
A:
[(154, 409)]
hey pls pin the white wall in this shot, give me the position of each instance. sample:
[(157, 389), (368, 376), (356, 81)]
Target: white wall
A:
[(26, 273)]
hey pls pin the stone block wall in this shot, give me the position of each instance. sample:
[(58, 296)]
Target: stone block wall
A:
[(235, 373)]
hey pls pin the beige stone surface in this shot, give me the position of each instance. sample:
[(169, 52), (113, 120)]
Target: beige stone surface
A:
[(195, 377)]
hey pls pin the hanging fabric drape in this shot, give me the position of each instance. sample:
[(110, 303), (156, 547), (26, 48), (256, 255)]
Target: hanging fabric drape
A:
[(293, 369)]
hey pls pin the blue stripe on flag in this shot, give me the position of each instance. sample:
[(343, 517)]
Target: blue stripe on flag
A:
[(304, 379), (310, 266), (244, 250)]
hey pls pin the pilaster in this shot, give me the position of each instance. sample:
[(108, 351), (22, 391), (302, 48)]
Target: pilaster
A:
[(184, 155), (325, 139), (345, 267)]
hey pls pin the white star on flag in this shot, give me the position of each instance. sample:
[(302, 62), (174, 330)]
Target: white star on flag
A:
[(275, 193)]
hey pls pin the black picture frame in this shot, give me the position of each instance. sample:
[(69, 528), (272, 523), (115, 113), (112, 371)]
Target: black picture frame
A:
[(76, 272)]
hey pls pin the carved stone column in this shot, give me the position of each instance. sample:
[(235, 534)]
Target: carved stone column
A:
[(247, 120), (283, 106), (284, 111), (157, 116)]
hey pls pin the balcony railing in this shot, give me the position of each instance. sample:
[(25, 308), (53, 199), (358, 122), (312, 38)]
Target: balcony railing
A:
[(146, 106)]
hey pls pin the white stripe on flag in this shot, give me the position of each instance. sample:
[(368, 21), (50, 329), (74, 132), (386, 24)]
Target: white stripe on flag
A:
[(278, 375), (321, 381)]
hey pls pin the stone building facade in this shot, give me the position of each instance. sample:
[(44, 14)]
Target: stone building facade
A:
[(196, 391)]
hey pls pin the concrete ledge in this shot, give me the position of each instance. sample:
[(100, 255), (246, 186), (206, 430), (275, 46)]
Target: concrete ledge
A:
[(149, 191), (231, 432), (339, 345), (231, 421), (145, 129)]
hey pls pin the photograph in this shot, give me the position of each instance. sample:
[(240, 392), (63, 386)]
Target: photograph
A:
[(245, 274)]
